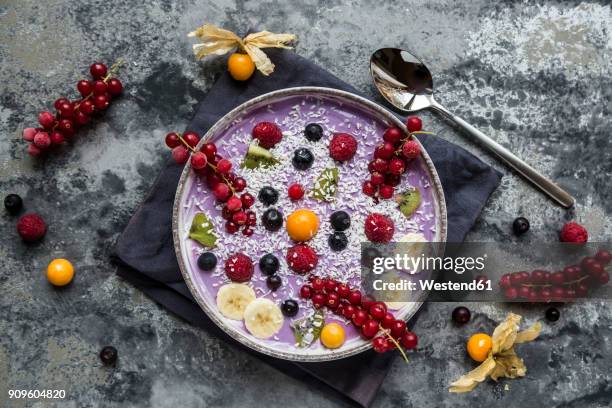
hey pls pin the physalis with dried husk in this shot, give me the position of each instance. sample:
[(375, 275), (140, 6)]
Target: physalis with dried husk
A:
[(241, 64), (501, 359)]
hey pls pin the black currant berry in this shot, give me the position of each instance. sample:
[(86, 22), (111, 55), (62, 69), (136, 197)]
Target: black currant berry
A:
[(289, 307), (520, 225), (313, 132), (268, 264), (207, 261), (268, 195)]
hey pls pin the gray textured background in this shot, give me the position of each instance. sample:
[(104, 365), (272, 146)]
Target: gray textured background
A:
[(535, 76)]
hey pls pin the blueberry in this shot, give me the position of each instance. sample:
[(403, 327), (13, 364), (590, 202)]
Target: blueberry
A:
[(313, 132), (207, 261), (340, 220), (461, 315), (272, 219), (302, 159), (13, 203), (337, 241), (274, 282), (520, 225), (268, 195), (552, 314), (289, 307), (268, 264), (108, 355)]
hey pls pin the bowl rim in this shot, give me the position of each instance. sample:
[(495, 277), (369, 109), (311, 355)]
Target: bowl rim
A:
[(227, 120)]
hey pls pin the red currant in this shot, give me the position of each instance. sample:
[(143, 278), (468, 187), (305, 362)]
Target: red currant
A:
[(234, 203), (393, 135), (319, 300), (251, 218), (414, 124), (46, 119), (378, 311), (192, 139), (65, 125), (581, 290), (42, 140), (545, 294), (384, 151), (388, 320), (318, 284), (557, 278), (377, 179), (209, 150), (224, 166), (66, 110), (397, 166), (392, 180), (296, 191), (333, 300), (511, 293), (247, 200), (380, 165), (58, 102), (330, 285), (360, 317), (306, 292), (603, 256), (379, 344), (172, 140), (240, 218), (385, 191), (368, 189), (248, 231), (212, 179), (409, 340), (87, 107), (57, 138), (80, 118), (355, 298), (349, 311), (239, 184), (101, 102), (180, 154), (571, 273), (398, 328), (603, 278), (369, 328), (504, 281), (523, 292), (98, 70), (99, 87), (115, 87), (198, 161), (343, 290), (231, 227), (221, 191)]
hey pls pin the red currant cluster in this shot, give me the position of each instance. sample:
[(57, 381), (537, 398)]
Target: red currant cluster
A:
[(217, 172), (391, 159), (96, 96), (571, 282), (370, 316)]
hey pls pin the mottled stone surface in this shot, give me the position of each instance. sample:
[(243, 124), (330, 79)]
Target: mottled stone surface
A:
[(534, 76)]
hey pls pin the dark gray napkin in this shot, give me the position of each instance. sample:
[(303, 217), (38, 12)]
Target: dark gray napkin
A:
[(145, 252)]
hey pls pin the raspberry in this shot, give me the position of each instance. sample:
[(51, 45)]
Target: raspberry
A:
[(379, 228), (31, 227), (267, 133), (239, 268), (342, 147), (574, 232), (411, 149), (301, 258)]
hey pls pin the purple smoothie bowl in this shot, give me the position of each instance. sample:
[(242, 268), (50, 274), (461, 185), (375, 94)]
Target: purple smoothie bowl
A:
[(291, 109)]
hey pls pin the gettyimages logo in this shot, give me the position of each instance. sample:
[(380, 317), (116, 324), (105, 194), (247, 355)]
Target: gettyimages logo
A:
[(492, 272)]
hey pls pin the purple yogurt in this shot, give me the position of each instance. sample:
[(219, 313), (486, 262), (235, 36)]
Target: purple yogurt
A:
[(291, 114)]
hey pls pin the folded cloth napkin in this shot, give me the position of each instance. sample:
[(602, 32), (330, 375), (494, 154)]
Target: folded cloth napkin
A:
[(145, 252)]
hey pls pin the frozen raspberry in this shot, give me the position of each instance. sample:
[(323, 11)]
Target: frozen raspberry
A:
[(379, 228), (239, 267), (342, 147), (411, 149), (31, 227), (267, 133), (301, 258), (574, 232)]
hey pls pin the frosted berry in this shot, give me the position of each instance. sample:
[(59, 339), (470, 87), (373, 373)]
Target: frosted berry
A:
[(46, 119), (397, 166), (411, 149), (42, 140), (180, 154)]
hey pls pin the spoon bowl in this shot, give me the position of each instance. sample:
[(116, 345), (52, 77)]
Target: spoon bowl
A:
[(406, 83)]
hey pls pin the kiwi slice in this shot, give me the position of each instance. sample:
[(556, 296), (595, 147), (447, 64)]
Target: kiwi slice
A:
[(409, 202), (257, 157)]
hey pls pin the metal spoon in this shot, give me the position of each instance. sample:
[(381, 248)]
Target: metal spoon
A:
[(405, 82)]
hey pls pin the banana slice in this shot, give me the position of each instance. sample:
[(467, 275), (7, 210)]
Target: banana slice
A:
[(262, 318), (415, 245), (233, 299)]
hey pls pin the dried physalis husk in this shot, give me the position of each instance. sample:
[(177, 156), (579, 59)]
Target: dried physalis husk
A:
[(217, 41), (502, 360)]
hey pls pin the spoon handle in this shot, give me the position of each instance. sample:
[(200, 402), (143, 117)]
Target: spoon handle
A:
[(543, 183)]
